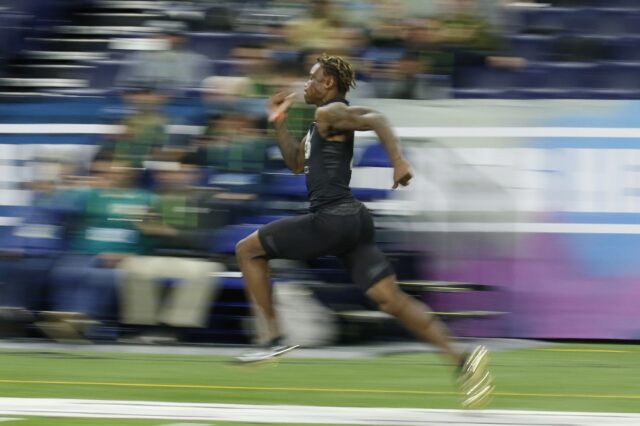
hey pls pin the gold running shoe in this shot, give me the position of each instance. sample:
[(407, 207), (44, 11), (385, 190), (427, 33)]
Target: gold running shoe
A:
[(474, 379)]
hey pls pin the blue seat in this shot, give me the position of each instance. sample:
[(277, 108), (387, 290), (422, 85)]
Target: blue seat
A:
[(472, 93), (548, 19), (615, 21), (582, 20), (625, 49), (212, 45), (218, 45), (104, 73), (236, 182), (12, 30), (286, 56), (370, 194), (612, 94), (373, 155), (284, 183), (490, 83), (630, 4), (620, 75), (266, 218), (46, 139), (225, 240), (568, 75), (488, 78), (557, 80), (232, 282), (223, 67), (533, 47), (383, 54)]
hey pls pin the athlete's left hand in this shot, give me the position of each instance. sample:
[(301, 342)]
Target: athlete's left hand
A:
[(402, 173)]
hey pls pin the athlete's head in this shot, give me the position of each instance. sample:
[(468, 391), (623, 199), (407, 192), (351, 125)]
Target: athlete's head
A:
[(329, 77)]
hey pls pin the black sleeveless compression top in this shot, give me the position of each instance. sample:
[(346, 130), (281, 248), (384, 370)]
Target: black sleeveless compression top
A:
[(327, 167)]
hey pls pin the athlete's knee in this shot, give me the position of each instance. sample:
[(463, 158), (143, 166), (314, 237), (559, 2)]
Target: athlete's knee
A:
[(395, 304), (243, 248), (388, 296), (249, 248)]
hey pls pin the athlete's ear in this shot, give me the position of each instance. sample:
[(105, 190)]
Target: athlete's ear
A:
[(329, 81)]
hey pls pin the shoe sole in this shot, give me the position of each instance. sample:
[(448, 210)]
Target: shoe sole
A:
[(251, 358)]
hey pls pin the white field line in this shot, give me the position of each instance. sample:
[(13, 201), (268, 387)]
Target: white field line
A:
[(302, 414)]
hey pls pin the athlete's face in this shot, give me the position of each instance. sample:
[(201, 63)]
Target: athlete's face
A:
[(317, 87)]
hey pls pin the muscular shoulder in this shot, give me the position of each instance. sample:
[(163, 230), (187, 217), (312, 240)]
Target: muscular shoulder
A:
[(330, 118), (331, 112), (338, 116)]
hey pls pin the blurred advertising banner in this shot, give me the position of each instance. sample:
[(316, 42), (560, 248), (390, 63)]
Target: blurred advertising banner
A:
[(541, 199)]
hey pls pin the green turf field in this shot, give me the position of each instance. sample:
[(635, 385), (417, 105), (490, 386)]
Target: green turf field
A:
[(567, 377)]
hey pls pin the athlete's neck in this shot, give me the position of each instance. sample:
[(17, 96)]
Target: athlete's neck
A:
[(329, 97)]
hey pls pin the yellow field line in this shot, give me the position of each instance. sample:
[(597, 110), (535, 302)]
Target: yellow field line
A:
[(329, 390), (567, 395), (605, 351), (217, 387)]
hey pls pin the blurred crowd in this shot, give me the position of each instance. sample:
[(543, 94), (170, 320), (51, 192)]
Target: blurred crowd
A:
[(132, 231), (399, 49), (104, 241)]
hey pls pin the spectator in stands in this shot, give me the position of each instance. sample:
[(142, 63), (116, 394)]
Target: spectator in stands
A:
[(471, 41), (398, 78), (169, 69), (424, 52), (235, 149), (278, 42), (180, 228), (388, 33), (464, 26), (383, 61), (226, 93), (316, 30), (385, 19), (33, 246), (234, 142), (254, 62), (144, 128), (84, 281)]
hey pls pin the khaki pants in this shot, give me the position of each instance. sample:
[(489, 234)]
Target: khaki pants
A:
[(187, 304)]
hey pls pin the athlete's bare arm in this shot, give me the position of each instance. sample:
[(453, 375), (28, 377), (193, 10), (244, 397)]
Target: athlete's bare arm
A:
[(291, 149), (338, 116)]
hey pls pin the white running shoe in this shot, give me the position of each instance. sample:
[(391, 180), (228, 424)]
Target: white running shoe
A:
[(272, 350)]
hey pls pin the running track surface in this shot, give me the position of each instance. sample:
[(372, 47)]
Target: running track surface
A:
[(301, 414)]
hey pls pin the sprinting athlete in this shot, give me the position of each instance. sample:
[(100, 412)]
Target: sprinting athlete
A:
[(340, 225)]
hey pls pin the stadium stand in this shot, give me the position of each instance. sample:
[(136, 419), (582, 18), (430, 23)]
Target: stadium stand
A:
[(59, 66)]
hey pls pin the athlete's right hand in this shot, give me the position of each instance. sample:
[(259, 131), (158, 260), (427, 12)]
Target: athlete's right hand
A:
[(402, 173), (278, 105)]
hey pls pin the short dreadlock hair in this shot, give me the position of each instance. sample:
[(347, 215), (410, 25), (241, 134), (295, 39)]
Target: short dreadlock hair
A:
[(340, 70)]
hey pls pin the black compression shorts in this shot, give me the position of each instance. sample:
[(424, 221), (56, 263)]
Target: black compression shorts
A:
[(345, 231)]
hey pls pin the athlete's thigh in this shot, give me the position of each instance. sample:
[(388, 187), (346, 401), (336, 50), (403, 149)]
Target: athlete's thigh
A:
[(299, 237), (366, 265)]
